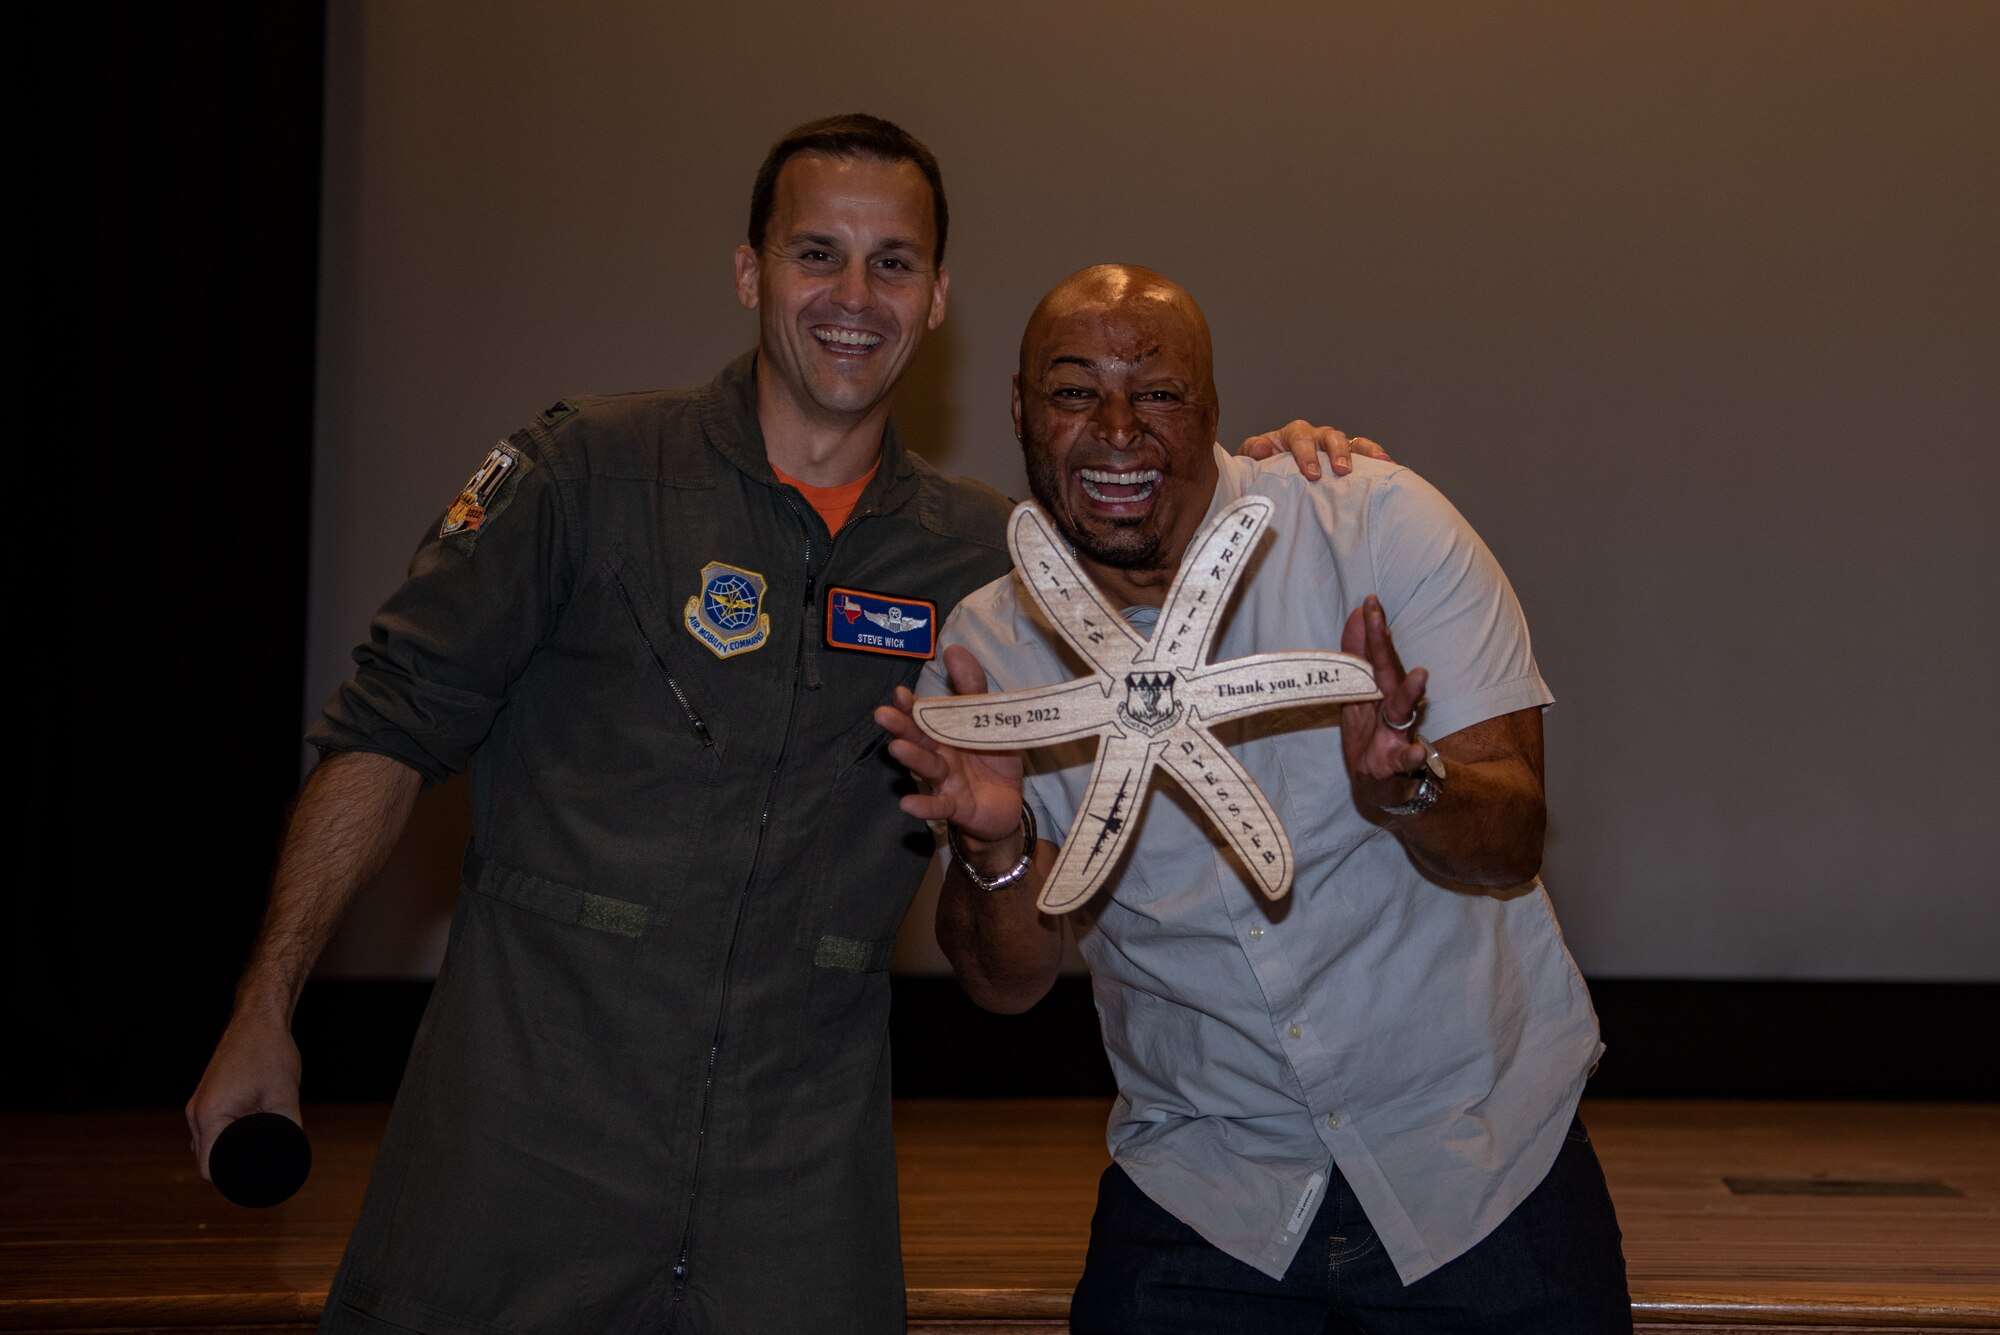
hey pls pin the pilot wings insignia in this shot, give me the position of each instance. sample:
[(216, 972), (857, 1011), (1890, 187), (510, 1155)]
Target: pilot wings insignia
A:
[(895, 622), (881, 623)]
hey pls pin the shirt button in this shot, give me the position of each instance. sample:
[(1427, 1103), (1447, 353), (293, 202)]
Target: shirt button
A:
[(1257, 933), (1296, 1031), (1333, 1121)]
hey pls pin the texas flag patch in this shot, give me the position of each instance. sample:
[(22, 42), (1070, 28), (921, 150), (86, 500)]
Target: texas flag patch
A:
[(878, 624)]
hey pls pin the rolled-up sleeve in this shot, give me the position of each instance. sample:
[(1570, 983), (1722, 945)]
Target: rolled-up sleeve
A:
[(446, 649)]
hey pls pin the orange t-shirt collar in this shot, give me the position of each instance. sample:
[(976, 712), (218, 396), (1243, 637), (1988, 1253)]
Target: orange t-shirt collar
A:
[(834, 504)]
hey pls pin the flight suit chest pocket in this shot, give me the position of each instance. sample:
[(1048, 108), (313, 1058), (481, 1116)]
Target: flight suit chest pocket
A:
[(614, 750), (673, 669)]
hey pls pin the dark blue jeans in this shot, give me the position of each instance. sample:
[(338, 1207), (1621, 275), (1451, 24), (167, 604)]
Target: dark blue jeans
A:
[(1553, 1267)]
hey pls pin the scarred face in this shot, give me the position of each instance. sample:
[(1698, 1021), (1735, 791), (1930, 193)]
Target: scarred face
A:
[(844, 287), (1115, 404)]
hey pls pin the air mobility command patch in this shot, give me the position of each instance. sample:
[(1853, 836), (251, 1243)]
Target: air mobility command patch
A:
[(727, 614), (880, 624), (485, 495)]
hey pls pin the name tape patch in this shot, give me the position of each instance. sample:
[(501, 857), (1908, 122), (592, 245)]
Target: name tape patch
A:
[(877, 623)]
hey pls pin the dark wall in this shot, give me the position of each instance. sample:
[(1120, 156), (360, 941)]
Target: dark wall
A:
[(168, 431)]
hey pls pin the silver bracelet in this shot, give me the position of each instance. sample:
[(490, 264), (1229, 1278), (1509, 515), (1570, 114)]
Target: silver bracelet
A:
[(1013, 873)]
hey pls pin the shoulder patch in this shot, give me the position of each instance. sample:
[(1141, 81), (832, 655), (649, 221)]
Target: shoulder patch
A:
[(485, 495), (555, 412)]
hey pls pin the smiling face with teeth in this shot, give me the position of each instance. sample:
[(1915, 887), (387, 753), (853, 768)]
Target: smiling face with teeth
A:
[(1116, 409), (844, 287)]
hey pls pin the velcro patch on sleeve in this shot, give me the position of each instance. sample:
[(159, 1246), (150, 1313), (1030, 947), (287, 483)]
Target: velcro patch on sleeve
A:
[(485, 495)]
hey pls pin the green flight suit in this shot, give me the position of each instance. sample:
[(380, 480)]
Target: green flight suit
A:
[(651, 1091)]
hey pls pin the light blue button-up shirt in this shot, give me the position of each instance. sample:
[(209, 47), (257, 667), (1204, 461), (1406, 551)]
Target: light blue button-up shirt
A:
[(1431, 1041)]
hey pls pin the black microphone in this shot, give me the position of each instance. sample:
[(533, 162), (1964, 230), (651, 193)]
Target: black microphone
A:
[(260, 1160)]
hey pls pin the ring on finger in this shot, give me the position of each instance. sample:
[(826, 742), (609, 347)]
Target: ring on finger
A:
[(1404, 726)]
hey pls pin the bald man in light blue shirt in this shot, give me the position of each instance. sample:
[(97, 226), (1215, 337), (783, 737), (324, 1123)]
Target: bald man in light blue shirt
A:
[(1353, 1108)]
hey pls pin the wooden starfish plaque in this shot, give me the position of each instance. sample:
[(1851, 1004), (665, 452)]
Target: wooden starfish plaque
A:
[(1150, 703)]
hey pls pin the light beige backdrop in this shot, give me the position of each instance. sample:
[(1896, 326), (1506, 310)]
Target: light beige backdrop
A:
[(1691, 307)]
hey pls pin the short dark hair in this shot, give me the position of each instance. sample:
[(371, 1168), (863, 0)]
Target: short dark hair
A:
[(854, 135)]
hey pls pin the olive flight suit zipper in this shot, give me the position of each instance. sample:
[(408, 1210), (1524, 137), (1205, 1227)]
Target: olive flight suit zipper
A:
[(806, 647)]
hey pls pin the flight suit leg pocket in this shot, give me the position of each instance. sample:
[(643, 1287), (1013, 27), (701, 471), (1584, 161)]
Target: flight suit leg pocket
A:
[(563, 955)]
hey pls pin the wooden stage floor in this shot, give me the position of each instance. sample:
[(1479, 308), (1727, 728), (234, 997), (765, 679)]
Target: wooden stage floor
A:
[(1843, 1217)]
